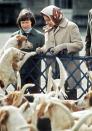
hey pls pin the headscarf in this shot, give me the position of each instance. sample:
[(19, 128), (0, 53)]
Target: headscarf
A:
[(53, 12)]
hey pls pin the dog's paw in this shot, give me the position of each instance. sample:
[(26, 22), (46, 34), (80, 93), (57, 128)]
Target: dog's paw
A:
[(39, 50)]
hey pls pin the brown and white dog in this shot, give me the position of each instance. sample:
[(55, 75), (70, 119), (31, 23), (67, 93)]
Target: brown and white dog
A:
[(15, 98), (82, 124), (12, 120), (7, 73), (55, 111), (86, 101), (17, 41)]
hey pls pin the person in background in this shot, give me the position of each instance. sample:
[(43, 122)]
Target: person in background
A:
[(29, 72), (62, 36), (88, 40)]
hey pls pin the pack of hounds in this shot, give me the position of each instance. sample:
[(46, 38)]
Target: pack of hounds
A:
[(43, 112)]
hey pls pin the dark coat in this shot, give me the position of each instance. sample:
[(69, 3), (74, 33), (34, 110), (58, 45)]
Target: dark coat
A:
[(88, 40), (35, 37), (29, 71)]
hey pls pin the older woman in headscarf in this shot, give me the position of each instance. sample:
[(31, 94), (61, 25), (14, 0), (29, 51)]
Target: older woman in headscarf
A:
[(62, 35)]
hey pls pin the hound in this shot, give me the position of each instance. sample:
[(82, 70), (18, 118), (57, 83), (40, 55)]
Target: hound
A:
[(15, 98), (7, 74), (57, 113), (20, 42), (17, 41), (12, 120), (86, 101), (84, 123)]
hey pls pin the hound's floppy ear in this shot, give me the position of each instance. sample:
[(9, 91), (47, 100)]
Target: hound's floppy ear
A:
[(21, 37), (18, 37), (63, 72), (3, 116), (24, 107)]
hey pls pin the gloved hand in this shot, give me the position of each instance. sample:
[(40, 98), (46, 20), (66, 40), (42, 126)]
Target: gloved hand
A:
[(53, 50), (58, 48)]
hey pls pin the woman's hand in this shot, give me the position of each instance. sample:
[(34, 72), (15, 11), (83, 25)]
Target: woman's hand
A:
[(58, 48), (53, 50)]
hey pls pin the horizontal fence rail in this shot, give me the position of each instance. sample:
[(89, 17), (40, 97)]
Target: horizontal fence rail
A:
[(75, 66)]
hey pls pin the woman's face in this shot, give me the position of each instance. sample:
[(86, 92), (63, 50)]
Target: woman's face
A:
[(25, 25), (48, 21)]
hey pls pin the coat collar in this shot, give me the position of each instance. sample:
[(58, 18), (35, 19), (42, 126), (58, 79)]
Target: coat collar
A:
[(32, 32), (62, 24)]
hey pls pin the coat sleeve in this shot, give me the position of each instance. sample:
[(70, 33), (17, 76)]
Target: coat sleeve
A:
[(76, 43), (42, 40)]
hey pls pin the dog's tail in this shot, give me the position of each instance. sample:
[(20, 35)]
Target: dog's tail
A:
[(63, 73), (18, 80), (29, 85), (63, 76), (56, 88), (49, 81)]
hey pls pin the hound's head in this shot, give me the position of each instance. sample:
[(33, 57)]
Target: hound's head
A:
[(22, 42), (86, 101), (14, 98), (10, 118)]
